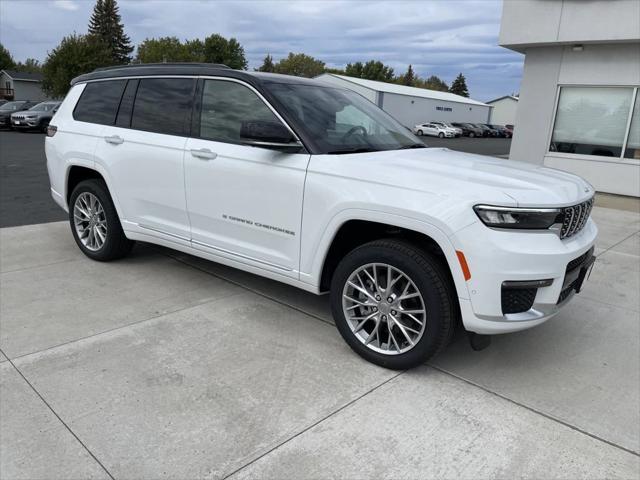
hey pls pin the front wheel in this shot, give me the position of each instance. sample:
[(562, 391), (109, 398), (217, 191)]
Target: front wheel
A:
[(471, 134), (441, 135), (393, 303), (419, 133), (95, 224)]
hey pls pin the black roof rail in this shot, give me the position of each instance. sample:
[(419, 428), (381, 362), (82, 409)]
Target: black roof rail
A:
[(164, 64)]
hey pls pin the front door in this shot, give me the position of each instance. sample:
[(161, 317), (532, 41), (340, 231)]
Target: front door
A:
[(244, 202)]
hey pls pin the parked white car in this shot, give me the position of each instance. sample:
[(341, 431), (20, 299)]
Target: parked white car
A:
[(456, 131), (317, 187), (433, 130)]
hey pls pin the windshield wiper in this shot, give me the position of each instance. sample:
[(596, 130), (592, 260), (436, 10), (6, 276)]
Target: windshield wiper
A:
[(352, 150), (415, 145)]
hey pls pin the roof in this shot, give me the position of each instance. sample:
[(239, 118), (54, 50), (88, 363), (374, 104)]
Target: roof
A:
[(24, 76), (503, 97), (209, 69), (404, 90)]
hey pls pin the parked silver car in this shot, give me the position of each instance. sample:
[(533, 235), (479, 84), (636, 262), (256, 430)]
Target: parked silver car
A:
[(36, 118)]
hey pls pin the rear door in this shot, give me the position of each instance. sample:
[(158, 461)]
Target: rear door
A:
[(244, 202), (143, 154)]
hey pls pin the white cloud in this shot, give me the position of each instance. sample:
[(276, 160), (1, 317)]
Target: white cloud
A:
[(66, 5)]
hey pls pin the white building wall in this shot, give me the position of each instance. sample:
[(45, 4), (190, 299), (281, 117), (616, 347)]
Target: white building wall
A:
[(504, 111), (535, 22), (548, 68), (410, 111)]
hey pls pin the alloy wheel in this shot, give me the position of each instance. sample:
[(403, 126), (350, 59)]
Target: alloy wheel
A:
[(384, 309), (90, 221)]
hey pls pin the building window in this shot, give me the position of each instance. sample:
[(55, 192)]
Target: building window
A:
[(592, 120)]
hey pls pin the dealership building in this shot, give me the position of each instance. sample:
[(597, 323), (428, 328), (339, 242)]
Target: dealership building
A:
[(411, 105), (579, 107)]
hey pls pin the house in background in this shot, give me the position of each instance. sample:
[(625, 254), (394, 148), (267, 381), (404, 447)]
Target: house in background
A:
[(504, 110), (21, 86), (579, 107), (411, 105)]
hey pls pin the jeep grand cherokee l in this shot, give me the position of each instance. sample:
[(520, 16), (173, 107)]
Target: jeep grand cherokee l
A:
[(317, 187)]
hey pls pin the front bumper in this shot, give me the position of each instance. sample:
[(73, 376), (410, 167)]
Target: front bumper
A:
[(24, 123), (498, 256)]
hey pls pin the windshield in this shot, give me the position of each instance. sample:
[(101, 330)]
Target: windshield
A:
[(43, 107), (11, 106), (341, 121)]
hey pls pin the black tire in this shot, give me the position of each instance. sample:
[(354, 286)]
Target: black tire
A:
[(441, 135), (431, 279), (116, 244), (471, 134), (43, 126), (419, 133)]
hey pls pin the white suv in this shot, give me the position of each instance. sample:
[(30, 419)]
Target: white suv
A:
[(317, 187)]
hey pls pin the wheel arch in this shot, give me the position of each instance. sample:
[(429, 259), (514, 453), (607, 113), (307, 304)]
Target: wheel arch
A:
[(76, 173), (355, 231)]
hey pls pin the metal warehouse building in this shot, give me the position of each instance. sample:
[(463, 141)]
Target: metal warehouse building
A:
[(411, 105)]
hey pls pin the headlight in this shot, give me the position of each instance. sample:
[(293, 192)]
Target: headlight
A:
[(523, 218)]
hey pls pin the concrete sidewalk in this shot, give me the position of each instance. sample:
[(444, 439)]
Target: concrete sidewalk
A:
[(163, 365)]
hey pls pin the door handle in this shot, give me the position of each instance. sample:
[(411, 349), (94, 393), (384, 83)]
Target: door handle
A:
[(114, 140), (204, 153)]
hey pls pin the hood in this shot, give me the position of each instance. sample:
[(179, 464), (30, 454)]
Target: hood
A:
[(477, 178)]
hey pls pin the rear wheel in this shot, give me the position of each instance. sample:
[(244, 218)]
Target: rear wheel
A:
[(471, 134), (441, 135), (419, 133), (393, 304), (95, 224)]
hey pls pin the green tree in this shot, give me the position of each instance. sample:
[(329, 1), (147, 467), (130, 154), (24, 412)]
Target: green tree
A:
[(105, 23), (354, 69), (408, 78), (372, 70), (160, 50), (434, 83), (267, 65), (76, 54), (194, 50), (217, 49), (376, 70), (6, 60), (300, 65), (459, 86), (337, 71), (30, 65)]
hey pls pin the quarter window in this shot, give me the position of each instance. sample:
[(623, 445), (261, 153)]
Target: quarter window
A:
[(163, 105), (592, 120), (99, 102), (225, 105)]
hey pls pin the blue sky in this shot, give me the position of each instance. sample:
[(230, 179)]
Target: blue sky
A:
[(441, 37)]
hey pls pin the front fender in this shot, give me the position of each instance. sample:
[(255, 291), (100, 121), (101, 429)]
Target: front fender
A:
[(313, 255)]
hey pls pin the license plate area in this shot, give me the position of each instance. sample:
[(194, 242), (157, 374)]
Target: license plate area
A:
[(577, 272)]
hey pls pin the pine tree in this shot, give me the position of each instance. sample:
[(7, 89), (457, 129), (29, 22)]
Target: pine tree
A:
[(267, 65), (459, 86), (409, 78), (106, 24)]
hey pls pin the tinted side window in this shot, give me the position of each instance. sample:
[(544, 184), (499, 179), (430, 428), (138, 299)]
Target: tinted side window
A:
[(225, 105), (99, 102), (126, 105), (163, 105)]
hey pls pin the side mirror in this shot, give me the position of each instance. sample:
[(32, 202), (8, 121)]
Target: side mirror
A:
[(269, 135)]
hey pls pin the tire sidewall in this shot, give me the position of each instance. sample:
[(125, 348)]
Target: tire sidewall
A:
[(97, 188), (429, 344)]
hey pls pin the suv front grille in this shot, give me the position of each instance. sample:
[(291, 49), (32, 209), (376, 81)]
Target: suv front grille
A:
[(575, 218)]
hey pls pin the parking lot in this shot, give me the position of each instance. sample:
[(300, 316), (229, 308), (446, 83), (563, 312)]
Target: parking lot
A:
[(163, 365)]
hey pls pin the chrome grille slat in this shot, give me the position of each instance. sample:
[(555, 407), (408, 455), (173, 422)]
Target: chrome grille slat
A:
[(575, 218)]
